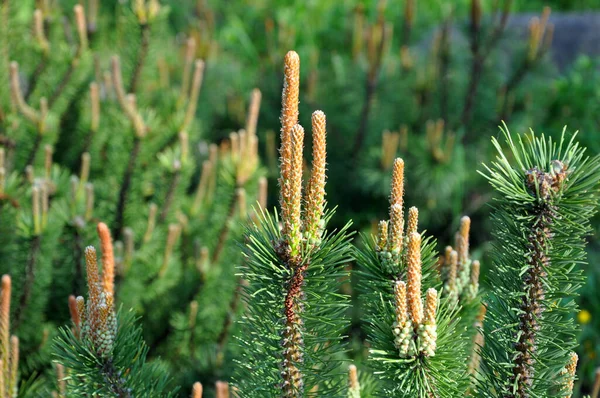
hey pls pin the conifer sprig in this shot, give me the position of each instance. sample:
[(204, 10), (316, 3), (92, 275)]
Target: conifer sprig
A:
[(293, 275), (417, 348), (104, 349), (548, 194)]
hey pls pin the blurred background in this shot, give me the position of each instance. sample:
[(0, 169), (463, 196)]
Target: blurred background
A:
[(429, 81)]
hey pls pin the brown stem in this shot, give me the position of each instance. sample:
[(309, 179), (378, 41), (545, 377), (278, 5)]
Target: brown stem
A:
[(88, 142), (34, 150), (39, 69), (124, 191), (115, 380), (34, 252), (143, 52), (224, 232), (531, 306), (293, 342), (62, 85), (169, 196)]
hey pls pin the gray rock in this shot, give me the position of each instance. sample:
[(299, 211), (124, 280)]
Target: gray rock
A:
[(575, 34)]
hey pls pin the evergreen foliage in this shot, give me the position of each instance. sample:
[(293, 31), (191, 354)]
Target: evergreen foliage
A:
[(414, 351), (105, 128), (108, 113), (293, 326), (548, 195)]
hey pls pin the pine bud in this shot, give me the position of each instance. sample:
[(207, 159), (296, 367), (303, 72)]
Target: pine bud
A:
[(415, 305), (60, 378), (315, 201), (402, 328), (37, 222), (353, 384), (397, 189), (535, 36), (80, 301), (2, 179), (290, 98), (184, 143), (75, 318), (428, 330), (474, 282), (29, 174), (190, 51), (396, 228), (452, 274), (289, 119), (596, 389), (81, 28), (48, 151), (197, 390), (17, 95), (569, 372), (462, 240), (152, 211), (89, 201), (193, 315), (92, 15), (262, 192), (253, 111), (108, 261), (222, 388), (95, 107), (194, 93), (13, 364), (201, 190), (40, 34), (45, 204), (94, 290), (129, 247), (172, 237), (413, 221), (291, 205), (5, 320), (382, 236)]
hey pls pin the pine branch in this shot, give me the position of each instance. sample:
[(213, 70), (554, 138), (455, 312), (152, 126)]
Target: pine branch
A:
[(141, 58), (548, 195)]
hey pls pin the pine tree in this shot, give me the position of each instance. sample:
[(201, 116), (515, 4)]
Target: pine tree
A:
[(96, 124), (548, 193), (293, 268)]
